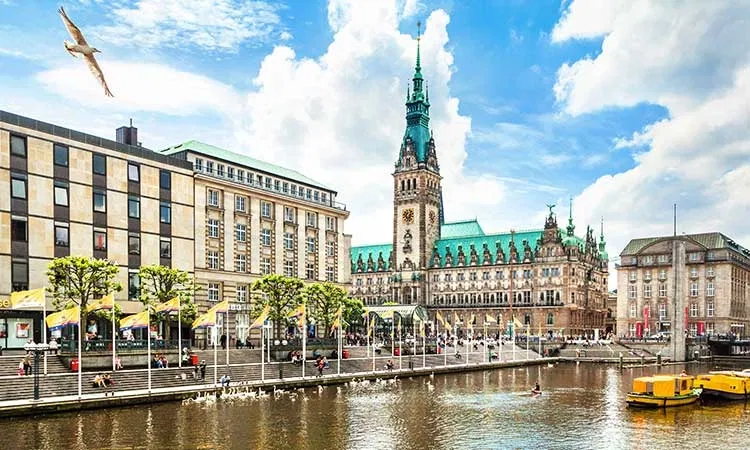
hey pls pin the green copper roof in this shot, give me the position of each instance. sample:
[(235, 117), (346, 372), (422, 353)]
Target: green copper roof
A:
[(491, 241), (451, 230), (367, 251), (711, 241), (226, 155)]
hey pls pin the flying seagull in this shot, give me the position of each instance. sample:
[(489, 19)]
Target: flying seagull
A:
[(80, 46)]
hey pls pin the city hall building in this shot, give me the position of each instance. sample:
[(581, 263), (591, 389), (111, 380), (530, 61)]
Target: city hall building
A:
[(550, 278)]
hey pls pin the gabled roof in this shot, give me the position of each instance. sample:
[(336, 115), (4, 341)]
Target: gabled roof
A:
[(237, 158), (711, 241), (371, 250), (451, 230), (480, 241)]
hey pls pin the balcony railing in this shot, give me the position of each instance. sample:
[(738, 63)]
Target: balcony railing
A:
[(328, 202)]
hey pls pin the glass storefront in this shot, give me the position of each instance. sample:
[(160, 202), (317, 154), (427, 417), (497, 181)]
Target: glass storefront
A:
[(17, 327)]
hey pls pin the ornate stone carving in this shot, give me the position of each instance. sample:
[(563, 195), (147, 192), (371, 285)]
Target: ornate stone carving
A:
[(381, 262), (473, 257), (461, 256)]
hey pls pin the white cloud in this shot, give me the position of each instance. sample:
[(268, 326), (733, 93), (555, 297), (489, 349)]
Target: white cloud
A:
[(698, 68), (285, 36), (141, 87), (340, 117), (218, 25)]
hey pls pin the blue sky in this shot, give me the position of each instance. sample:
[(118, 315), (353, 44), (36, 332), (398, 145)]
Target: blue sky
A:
[(532, 101)]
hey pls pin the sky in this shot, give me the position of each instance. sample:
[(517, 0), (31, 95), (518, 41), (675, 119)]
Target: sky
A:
[(625, 106)]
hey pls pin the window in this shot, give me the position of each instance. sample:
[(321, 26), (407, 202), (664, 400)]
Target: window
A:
[(330, 223), (134, 244), (550, 319), (213, 228), (710, 289), (165, 212), (289, 241), (310, 244), (285, 188), (710, 328), (277, 185), (18, 230), (18, 187), (239, 203), (213, 259), (240, 263), (310, 272), (242, 293), (710, 271), (230, 173), (648, 260), (240, 232), (165, 248), (632, 291), (213, 197), (485, 275), (100, 201), (323, 197), (265, 236), (265, 209), (647, 275), (647, 290), (662, 274), (308, 194), (662, 312), (330, 248), (19, 275), (134, 173), (662, 289), (220, 170), (312, 219), (61, 235), (268, 183), (288, 214), (209, 166), (99, 164), (198, 164), (165, 179), (448, 277), (265, 266), (663, 259), (633, 275), (134, 207), (100, 240), (330, 273), (240, 175), (693, 271), (61, 194), (693, 289), (289, 269), (633, 310), (694, 257), (316, 196), (709, 309), (60, 155), (693, 310), (18, 146), (293, 189), (213, 292)]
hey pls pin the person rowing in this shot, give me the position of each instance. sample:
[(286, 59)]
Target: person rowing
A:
[(537, 389)]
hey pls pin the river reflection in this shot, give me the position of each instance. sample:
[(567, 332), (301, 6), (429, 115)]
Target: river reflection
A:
[(582, 407)]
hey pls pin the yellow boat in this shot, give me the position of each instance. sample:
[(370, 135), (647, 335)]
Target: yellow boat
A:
[(663, 391), (726, 385)]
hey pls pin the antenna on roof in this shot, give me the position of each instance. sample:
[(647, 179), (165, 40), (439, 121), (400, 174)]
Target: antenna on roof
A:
[(131, 121)]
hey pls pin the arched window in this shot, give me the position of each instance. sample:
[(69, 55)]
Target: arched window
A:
[(403, 185)]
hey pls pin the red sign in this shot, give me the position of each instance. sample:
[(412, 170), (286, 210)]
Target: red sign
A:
[(645, 317), (701, 328), (639, 329), (687, 317)]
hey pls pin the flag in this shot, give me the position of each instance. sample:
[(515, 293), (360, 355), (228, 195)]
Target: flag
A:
[(489, 319), (221, 307), (107, 302), (299, 314), (69, 316), (337, 321), (456, 320), (540, 329), (139, 320), (439, 318), (28, 299), (168, 306), (517, 322), (261, 318), (421, 329), (470, 325), (365, 312), (370, 328), (399, 326), (205, 320)]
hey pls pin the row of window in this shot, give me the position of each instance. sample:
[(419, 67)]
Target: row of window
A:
[(240, 234), (662, 311), (648, 274), (213, 262), (261, 181), (499, 275), (694, 290), (241, 205)]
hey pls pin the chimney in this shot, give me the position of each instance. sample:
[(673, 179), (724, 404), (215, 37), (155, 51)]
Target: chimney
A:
[(128, 135)]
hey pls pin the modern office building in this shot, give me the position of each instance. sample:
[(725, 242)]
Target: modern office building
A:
[(697, 282), (63, 192), (548, 278), (253, 218)]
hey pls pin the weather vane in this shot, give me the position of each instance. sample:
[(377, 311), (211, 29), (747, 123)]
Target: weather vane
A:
[(419, 29), (551, 207)]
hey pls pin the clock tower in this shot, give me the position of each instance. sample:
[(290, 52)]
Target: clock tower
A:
[(417, 196)]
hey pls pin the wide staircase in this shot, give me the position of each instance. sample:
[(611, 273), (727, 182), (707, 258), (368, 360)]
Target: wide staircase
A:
[(611, 350)]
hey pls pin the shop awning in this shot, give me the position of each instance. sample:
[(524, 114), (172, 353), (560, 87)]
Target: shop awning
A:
[(408, 312)]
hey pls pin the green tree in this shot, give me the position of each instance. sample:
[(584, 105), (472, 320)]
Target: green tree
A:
[(282, 294), (160, 284), (77, 280), (324, 300)]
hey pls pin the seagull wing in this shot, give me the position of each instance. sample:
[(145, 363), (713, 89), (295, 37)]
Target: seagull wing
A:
[(94, 67), (75, 33)]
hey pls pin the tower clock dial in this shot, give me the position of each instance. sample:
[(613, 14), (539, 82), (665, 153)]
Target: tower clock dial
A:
[(407, 216)]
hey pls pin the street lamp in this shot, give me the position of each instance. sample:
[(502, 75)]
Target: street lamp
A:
[(37, 349)]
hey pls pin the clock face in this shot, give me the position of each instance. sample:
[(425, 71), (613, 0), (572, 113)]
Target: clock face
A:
[(433, 217), (407, 216)]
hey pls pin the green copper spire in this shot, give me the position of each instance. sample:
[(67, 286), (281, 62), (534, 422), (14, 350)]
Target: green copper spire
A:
[(571, 228), (602, 243), (418, 110), (418, 68)]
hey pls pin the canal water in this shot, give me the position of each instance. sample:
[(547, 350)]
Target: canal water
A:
[(582, 406)]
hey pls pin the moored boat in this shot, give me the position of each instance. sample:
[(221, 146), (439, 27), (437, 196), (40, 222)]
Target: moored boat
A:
[(663, 391), (725, 385)]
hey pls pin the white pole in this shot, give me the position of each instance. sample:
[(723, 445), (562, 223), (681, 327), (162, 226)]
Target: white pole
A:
[(304, 341), (228, 339), (262, 354), (513, 335), (485, 339), (338, 353), (44, 329), (216, 361), (373, 345), (80, 363), (400, 351), (114, 336), (393, 334), (445, 349), (179, 331), (424, 345), (468, 348), (148, 344), (528, 331)]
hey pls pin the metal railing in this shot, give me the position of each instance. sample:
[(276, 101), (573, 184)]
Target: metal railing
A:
[(105, 345)]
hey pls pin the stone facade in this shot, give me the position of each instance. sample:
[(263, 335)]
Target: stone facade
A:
[(706, 291), (549, 279)]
